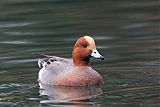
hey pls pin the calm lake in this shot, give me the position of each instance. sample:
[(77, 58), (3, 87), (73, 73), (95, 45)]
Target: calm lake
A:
[(127, 34)]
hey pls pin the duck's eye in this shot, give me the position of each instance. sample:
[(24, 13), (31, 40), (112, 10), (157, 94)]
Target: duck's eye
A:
[(84, 45)]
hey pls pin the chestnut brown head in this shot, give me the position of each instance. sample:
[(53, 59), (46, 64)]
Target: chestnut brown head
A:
[(83, 50)]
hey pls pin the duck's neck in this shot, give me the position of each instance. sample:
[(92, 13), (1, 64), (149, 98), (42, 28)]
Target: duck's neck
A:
[(80, 61)]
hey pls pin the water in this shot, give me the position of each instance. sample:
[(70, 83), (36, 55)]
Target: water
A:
[(126, 33)]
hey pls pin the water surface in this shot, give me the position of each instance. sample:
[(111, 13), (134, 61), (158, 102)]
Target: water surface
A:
[(126, 33)]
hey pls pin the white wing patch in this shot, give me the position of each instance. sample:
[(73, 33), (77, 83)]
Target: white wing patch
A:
[(41, 63)]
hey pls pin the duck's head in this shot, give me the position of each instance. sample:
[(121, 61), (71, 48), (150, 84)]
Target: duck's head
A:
[(83, 50)]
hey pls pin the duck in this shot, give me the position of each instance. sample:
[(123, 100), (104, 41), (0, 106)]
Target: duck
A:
[(72, 72)]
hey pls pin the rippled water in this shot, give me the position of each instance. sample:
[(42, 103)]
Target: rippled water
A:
[(127, 35)]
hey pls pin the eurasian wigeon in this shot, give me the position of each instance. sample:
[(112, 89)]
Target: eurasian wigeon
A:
[(72, 72)]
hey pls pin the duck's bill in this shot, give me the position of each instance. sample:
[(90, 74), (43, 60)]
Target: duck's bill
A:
[(96, 54)]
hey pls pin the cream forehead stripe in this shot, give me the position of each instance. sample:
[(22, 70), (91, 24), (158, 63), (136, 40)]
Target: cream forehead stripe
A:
[(90, 41)]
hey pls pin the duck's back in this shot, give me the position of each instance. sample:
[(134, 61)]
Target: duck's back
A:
[(51, 69)]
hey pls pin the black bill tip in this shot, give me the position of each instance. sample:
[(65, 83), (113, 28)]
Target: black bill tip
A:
[(102, 58)]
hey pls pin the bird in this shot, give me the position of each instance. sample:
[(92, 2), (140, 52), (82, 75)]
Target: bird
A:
[(76, 71)]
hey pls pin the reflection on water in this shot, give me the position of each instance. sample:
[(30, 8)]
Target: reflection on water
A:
[(127, 35), (64, 94)]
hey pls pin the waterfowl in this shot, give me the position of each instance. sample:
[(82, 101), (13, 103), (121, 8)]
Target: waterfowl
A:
[(72, 72)]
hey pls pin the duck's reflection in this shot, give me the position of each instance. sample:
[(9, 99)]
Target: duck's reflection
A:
[(57, 94)]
